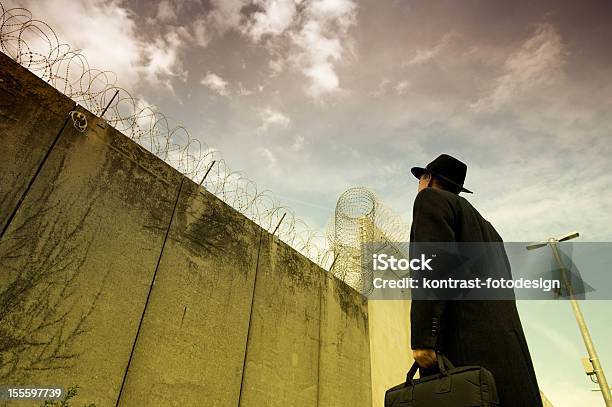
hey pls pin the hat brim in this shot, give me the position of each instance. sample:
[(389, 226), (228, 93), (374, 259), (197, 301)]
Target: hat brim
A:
[(419, 171)]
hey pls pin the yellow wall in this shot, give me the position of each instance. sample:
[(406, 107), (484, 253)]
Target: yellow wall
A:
[(390, 354), (125, 278)]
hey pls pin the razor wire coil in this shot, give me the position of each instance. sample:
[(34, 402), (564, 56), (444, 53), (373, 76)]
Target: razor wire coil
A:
[(359, 215), (361, 219), (33, 44)]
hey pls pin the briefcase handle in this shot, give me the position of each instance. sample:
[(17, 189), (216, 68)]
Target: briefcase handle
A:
[(443, 364)]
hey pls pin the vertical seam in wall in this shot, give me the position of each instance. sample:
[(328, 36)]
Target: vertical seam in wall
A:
[(246, 346), (43, 161), (320, 338), (127, 368)]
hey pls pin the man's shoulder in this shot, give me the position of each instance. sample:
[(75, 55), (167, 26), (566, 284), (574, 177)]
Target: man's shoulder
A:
[(440, 198), (467, 210), (435, 194)]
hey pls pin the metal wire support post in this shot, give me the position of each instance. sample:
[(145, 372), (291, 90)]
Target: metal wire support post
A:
[(109, 103), (279, 223), (102, 122), (584, 331), (207, 171)]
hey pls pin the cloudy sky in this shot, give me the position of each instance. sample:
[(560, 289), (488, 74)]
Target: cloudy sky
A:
[(311, 97)]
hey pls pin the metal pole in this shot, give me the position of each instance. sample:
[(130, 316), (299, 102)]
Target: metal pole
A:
[(109, 103), (207, 171), (279, 223), (584, 330)]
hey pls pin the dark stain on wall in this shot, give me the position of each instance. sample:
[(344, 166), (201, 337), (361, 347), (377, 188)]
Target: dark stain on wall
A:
[(40, 258), (209, 227)]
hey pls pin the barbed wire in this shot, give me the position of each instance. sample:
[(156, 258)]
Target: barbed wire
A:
[(362, 219), (34, 45)]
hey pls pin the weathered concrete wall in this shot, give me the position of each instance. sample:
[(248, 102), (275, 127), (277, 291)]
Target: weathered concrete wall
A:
[(344, 349), (120, 276), (191, 347), (390, 353), (78, 257), (32, 114), (282, 354)]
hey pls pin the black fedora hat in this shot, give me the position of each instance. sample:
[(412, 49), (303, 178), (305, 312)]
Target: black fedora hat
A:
[(446, 167)]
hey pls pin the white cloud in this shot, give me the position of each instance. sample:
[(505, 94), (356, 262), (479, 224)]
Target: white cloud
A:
[(425, 55), (323, 78), (226, 14), (339, 12), (320, 48), (313, 34), (276, 66), (242, 91), (215, 83), (272, 118), (535, 63), (401, 87), (321, 42), (381, 89), (165, 12), (298, 143), (161, 60), (201, 33), (144, 114), (385, 86), (106, 34), (269, 158), (274, 18)]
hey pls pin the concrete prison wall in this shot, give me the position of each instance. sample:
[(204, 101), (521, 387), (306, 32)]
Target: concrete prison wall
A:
[(390, 353), (122, 277)]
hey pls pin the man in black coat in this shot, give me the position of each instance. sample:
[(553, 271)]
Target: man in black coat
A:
[(468, 332)]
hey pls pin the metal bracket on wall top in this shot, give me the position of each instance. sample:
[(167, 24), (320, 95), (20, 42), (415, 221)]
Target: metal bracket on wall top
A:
[(79, 120)]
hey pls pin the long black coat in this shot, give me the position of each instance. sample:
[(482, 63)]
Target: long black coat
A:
[(470, 332)]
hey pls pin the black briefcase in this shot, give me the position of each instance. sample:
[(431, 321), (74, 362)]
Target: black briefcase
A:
[(466, 386)]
